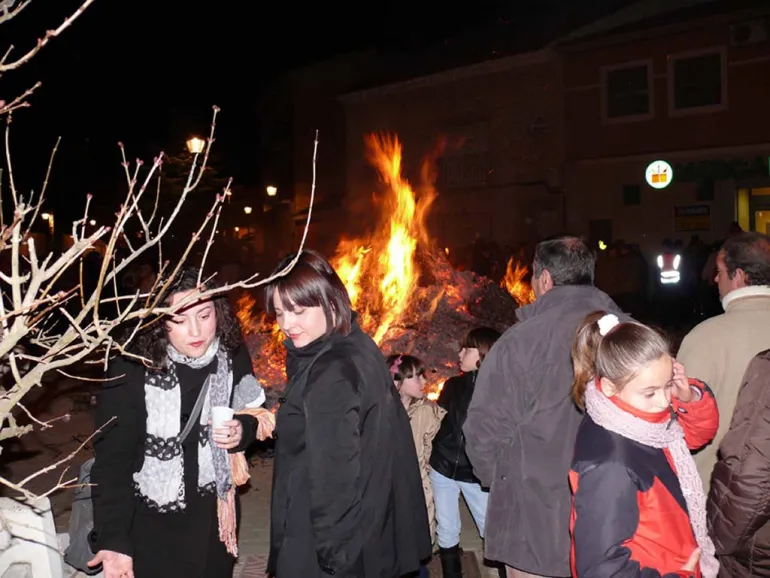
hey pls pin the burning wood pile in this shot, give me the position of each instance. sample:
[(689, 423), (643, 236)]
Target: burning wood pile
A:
[(407, 295)]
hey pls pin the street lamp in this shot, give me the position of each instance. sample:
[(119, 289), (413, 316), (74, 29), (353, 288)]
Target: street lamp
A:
[(247, 210), (195, 145), (272, 191), (48, 217)]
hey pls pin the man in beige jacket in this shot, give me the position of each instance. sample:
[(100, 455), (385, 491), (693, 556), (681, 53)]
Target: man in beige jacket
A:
[(718, 350)]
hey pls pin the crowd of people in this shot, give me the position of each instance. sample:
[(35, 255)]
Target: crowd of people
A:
[(583, 445)]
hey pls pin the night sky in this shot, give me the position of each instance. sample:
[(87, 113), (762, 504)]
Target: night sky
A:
[(147, 72)]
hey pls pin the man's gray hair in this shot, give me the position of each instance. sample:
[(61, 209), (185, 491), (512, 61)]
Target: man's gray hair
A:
[(568, 260)]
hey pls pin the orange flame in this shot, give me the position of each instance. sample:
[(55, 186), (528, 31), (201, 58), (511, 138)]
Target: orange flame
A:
[(514, 283), (250, 324), (379, 271), (433, 395), (244, 307)]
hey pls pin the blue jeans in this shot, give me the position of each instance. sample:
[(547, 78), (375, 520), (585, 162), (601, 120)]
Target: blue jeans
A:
[(446, 497)]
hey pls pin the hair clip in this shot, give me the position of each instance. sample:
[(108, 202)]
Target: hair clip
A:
[(607, 323), (394, 366)]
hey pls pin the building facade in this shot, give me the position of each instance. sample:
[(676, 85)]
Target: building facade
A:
[(689, 88), (498, 176), (297, 105)]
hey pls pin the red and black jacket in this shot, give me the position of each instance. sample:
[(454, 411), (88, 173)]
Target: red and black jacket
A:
[(629, 517)]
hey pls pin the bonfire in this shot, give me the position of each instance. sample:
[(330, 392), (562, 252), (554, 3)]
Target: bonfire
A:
[(407, 295)]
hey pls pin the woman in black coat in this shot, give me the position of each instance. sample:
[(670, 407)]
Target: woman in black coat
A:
[(347, 496), (156, 499)]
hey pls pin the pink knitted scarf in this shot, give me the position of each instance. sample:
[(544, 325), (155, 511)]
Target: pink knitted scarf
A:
[(668, 435)]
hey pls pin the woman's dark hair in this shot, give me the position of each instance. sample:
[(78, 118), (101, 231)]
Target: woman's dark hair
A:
[(619, 356), (481, 338), (312, 282), (153, 341), (405, 367)]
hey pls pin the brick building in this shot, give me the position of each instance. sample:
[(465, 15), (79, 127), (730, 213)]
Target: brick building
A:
[(553, 139), (687, 86), (499, 175)]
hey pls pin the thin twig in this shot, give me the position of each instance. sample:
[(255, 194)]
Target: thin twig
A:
[(43, 424), (55, 465), (211, 237), (9, 164), (46, 39), (82, 378), (10, 14), (44, 188), (6, 108)]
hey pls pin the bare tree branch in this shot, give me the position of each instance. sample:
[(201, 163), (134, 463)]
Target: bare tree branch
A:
[(39, 296), (49, 35), (49, 320), (8, 12)]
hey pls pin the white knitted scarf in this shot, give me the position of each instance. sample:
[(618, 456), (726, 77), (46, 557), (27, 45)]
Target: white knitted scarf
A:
[(160, 482)]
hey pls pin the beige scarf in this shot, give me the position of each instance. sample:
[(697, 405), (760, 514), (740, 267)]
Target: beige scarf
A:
[(240, 475)]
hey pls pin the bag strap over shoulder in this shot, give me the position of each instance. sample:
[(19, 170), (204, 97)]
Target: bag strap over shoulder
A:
[(196, 412)]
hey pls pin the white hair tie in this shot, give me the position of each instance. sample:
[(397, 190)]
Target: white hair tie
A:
[(607, 323)]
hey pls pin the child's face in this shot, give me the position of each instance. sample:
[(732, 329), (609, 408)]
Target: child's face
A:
[(469, 359), (650, 390), (413, 386)]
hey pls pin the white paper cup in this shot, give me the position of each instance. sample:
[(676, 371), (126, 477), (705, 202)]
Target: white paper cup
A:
[(220, 414)]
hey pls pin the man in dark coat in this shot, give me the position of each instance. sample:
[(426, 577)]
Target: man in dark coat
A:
[(522, 423)]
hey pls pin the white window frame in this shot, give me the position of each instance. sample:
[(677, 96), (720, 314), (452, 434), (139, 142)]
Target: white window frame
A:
[(673, 59), (605, 70)]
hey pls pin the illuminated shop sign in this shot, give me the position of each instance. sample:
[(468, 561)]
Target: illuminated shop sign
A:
[(659, 174)]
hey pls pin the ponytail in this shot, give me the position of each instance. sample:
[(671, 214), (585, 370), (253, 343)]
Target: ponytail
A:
[(584, 350), (606, 347)]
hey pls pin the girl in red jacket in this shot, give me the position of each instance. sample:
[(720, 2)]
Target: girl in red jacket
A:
[(638, 506)]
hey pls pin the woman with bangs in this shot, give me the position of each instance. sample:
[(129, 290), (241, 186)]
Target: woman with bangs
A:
[(347, 495)]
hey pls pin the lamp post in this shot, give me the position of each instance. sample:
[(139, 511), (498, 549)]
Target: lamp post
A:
[(272, 191), (247, 210), (195, 145)]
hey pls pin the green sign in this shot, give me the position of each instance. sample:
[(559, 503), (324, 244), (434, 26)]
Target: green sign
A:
[(719, 169)]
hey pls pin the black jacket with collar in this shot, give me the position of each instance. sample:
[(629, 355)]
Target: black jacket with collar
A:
[(448, 457)]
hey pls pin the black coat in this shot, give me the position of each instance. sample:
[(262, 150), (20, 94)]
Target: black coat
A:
[(448, 457), (169, 545), (347, 495)]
